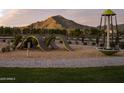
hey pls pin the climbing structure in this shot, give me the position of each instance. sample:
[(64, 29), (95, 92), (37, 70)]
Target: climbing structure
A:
[(43, 43), (110, 34), (51, 42)]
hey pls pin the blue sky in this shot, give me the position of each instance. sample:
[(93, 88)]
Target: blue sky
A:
[(22, 17)]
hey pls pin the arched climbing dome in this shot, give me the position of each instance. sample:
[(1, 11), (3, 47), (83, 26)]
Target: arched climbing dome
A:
[(50, 41), (38, 41), (34, 43)]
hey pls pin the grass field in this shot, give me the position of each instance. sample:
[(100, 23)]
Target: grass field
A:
[(63, 75)]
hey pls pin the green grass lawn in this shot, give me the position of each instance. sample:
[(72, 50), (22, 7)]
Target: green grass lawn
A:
[(61, 75)]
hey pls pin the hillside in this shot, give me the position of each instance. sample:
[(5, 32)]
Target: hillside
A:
[(57, 22)]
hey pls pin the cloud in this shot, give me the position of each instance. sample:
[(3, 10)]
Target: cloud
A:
[(21, 17)]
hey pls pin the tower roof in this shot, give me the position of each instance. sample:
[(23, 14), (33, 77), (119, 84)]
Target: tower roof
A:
[(108, 12)]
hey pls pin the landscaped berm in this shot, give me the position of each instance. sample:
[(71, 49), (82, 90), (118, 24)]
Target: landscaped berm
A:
[(61, 50)]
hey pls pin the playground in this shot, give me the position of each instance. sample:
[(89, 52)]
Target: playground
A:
[(60, 58), (61, 47)]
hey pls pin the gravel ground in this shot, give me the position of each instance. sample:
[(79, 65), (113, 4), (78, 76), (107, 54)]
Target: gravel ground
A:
[(84, 62), (82, 56), (78, 52)]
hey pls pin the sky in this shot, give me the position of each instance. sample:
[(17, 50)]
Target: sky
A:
[(23, 17)]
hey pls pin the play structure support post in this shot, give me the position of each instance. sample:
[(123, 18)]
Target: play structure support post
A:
[(117, 36), (28, 47), (108, 34), (104, 34), (112, 30)]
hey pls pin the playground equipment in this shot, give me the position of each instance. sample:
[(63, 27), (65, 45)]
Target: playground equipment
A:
[(110, 34), (43, 44)]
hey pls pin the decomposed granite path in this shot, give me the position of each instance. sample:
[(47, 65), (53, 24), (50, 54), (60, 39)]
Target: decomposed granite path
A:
[(83, 62)]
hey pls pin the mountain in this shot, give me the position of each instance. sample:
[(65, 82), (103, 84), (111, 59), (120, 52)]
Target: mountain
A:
[(57, 22)]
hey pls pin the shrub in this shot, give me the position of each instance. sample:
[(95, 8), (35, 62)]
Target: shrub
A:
[(12, 41), (60, 41), (76, 42), (101, 45), (4, 40), (121, 45), (85, 43), (7, 49), (112, 44), (93, 43), (69, 42), (3, 50)]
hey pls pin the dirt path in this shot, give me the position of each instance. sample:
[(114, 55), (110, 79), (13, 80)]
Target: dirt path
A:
[(84, 62)]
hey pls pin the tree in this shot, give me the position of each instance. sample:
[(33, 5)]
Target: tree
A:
[(75, 33)]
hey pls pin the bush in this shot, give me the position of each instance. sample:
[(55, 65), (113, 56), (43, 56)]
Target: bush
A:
[(85, 43), (4, 40), (7, 49), (60, 41), (121, 45), (93, 43), (3, 50), (76, 42), (12, 41), (69, 42), (101, 45), (112, 44)]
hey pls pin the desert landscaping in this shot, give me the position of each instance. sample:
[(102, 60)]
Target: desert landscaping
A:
[(81, 56), (79, 51)]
